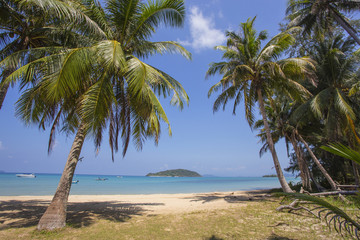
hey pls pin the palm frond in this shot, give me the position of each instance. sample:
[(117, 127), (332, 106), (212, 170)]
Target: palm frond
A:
[(343, 151), (333, 215)]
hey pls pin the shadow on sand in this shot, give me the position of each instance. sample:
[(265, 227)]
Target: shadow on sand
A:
[(16, 214), (259, 195)]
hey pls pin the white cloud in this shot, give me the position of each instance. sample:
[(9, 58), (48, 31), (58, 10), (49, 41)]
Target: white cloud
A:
[(1, 145), (203, 32)]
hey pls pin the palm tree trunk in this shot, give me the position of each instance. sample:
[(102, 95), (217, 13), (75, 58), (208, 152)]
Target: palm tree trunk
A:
[(55, 215), (346, 26), (304, 170), (284, 185), (318, 164), (356, 172)]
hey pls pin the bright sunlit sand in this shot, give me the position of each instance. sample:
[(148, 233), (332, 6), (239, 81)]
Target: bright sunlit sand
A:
[(149, 203)]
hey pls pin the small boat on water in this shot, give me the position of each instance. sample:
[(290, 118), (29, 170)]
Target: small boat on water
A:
[(101, 179), (26, 175), (75, 181)]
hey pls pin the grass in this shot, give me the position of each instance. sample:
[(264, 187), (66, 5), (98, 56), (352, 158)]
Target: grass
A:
[(250, 220)]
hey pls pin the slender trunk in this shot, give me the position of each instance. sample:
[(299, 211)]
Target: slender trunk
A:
[(55, 215), (304, 171), (346, 26), (317, 185), (318, 164), (284, 185), (356, 172)]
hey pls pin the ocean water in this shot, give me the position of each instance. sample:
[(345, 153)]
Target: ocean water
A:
[(45, 184)]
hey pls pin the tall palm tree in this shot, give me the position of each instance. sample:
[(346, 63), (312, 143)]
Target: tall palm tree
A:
[(252, 73), (321, 14), (106, 85), (336, 73)]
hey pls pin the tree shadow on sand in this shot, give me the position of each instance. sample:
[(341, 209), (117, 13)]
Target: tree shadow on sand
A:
[(17, 214), (260, 195)]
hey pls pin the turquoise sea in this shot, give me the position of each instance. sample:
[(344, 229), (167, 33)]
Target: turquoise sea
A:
[(45, 184)]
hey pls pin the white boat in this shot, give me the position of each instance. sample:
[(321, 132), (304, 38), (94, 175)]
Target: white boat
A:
[(26, 175), (75, 181)]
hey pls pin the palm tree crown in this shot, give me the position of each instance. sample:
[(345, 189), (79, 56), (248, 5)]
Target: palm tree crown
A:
[(320, 15)]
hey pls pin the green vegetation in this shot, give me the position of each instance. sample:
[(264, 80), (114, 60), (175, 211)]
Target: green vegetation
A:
[(174, 173)]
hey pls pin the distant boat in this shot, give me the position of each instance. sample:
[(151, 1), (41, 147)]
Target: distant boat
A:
[(26, 175), (119, 176), (101, 179), (75, 182)]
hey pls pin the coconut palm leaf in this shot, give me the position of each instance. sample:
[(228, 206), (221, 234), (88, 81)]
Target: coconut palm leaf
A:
[(334, 216), (343, 151)]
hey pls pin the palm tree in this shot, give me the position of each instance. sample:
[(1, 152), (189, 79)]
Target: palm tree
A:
[(252, 73), (87, 89), (331, 104), (321, 14), (27, 25), (20, 30)]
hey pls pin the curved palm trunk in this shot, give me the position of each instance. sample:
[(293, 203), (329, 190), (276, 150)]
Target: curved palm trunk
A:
[(55, 215), (318, 164), (356, 172), (346, 26), (284, 185)]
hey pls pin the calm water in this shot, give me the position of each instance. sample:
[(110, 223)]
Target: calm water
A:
[(45, 184)]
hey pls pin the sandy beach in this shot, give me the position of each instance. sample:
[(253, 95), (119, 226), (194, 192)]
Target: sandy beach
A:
[(154, 203), (216, 215), (16, 210)]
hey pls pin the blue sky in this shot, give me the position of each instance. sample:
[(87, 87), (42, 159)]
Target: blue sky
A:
[(220, 144)]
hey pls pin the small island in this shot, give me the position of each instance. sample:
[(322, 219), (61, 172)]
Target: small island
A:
[(270, 175), (175, 173)]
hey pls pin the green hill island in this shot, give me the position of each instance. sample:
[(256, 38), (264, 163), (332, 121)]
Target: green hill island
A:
[(174, 173)]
